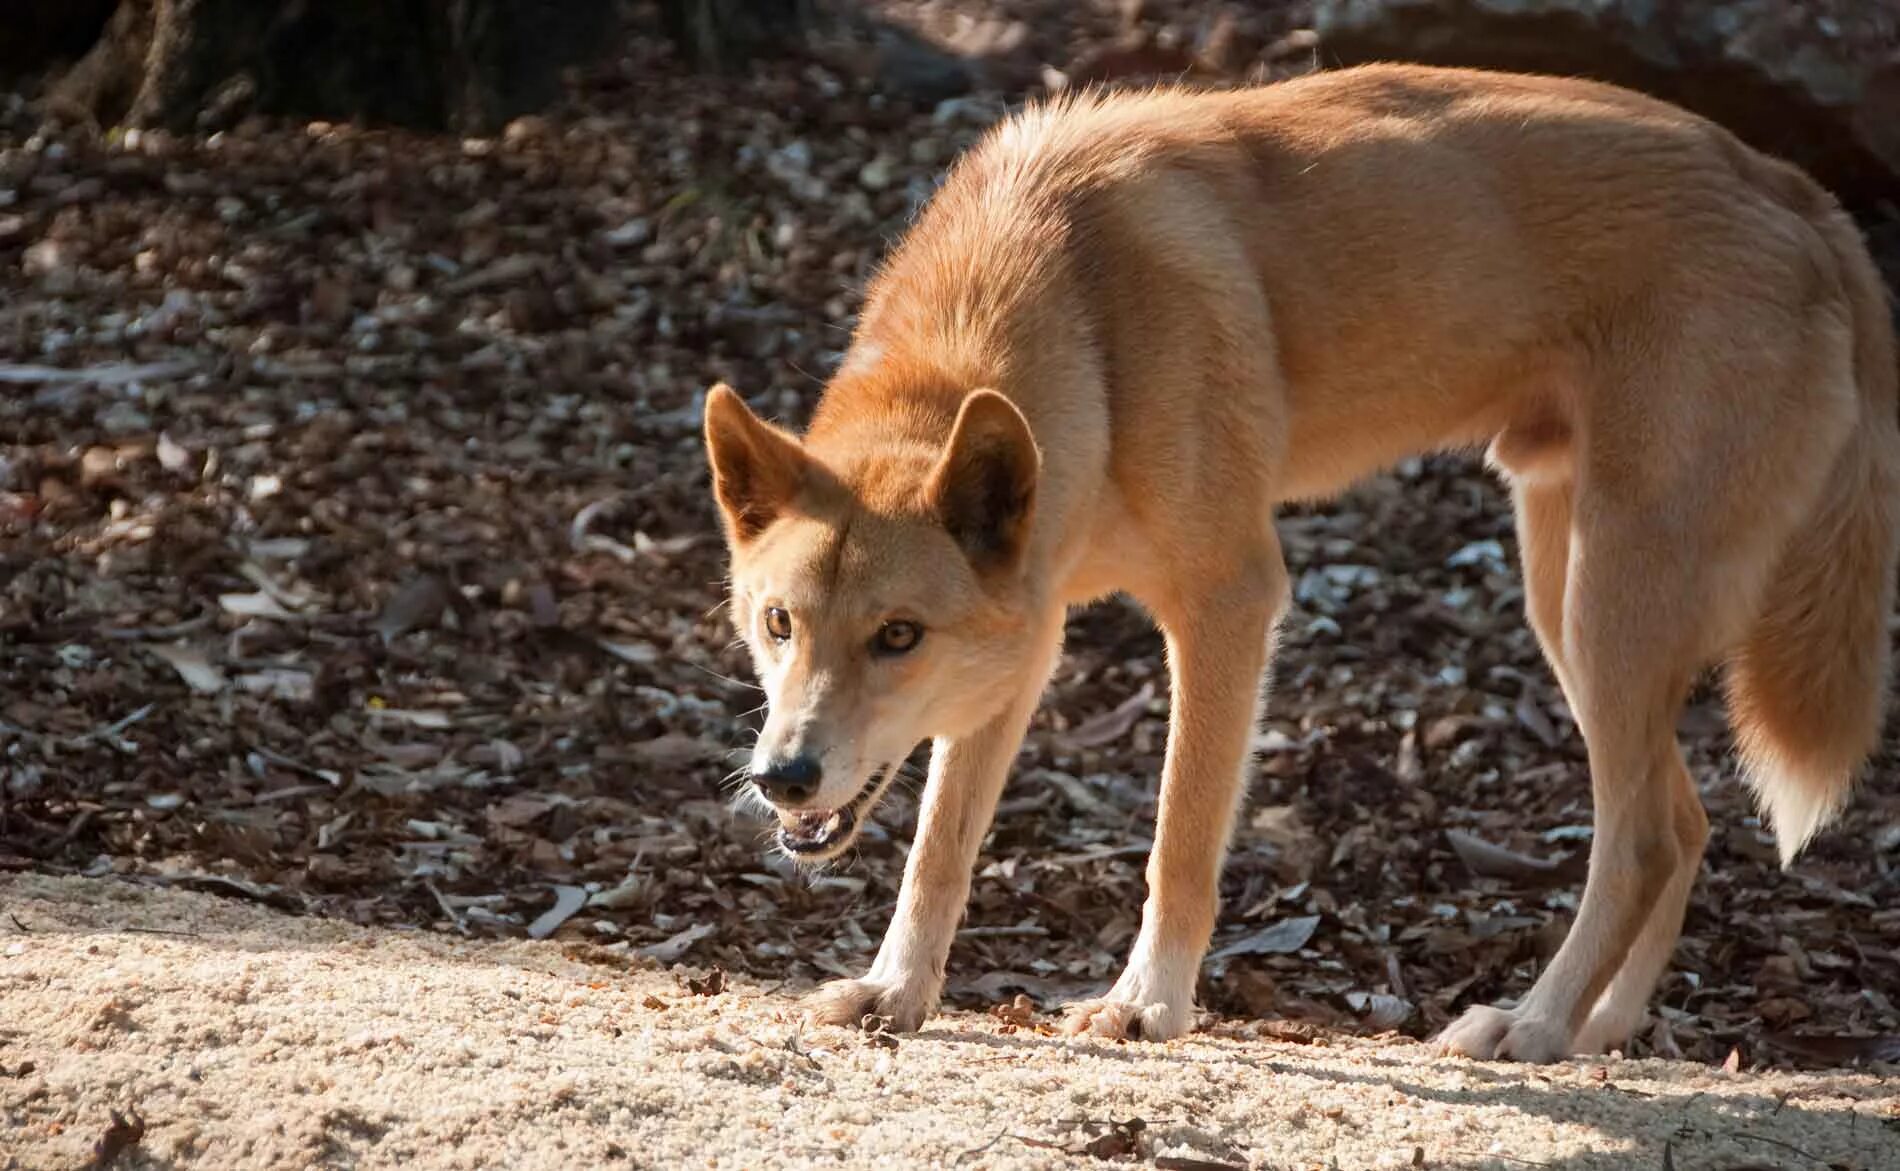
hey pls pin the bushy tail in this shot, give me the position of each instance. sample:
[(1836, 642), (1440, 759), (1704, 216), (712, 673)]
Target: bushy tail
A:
[(1807, 688)]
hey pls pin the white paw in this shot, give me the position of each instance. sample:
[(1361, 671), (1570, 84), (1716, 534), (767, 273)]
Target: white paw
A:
[(1498, 1034), (849, 1002), (1108, 1017)]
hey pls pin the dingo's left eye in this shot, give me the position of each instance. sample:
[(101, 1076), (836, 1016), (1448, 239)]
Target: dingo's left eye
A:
[(898, 637), (778, 623)]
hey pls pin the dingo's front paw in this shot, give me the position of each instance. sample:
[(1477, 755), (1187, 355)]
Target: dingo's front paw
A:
[(1109, 1017), (848, 1002), (1499, 1034)]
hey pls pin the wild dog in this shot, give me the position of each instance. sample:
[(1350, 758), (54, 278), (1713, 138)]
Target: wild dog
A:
[(1127, 327)]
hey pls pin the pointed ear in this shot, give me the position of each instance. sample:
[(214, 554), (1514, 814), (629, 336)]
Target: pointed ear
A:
[(984, 487), (757, 468)]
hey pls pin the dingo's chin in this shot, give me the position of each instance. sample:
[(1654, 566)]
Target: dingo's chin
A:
[(819, 835)]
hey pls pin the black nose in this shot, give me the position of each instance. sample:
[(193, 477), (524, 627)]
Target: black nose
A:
[(789, 782)]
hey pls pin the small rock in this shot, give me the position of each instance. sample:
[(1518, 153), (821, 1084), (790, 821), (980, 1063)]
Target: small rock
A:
[(634, 232), (877, 174)]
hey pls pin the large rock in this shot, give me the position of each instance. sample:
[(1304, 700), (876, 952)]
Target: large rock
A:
[(1817, 90)]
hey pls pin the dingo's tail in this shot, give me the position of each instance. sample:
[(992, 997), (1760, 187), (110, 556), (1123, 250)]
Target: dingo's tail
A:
[(1807, 686)]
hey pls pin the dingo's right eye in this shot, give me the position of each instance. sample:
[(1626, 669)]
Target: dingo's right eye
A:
[(778, 623)]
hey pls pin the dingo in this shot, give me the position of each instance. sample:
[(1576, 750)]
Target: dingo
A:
[(1128, 326)]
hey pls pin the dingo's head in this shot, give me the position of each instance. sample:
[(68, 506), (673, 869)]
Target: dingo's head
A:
[(879, 585)]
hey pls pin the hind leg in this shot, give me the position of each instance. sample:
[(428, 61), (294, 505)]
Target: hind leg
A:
[(1622, 1006), (1544, 516), (1629, 645)]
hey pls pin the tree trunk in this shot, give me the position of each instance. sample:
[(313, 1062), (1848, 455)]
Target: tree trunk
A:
[(721, 35), (461, 65)]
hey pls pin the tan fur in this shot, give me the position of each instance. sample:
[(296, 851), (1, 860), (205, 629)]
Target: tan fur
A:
[(1127, 327)]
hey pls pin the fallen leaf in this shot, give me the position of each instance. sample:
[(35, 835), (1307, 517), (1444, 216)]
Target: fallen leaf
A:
[(567, 901), (1282, 938), (1489, 861), (631, 652), (712, 984), (125, 1132), (1837, 1050), (1531, 714), (192, 666), (1020, 1011), (1122, 1140), (416, 606), (280, 683), (414, 718), (1380, 1011), (258, 605), (671, 949), (615, 897), (1109, 726)]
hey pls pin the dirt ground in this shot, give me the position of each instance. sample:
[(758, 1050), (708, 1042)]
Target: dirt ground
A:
[(243, 1037)]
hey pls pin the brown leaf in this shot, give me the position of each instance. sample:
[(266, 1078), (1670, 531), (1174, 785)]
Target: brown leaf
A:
[(712, 984), (1109, 726), (1531, 714), (1122, 1140), (1020, 1011), (416, 606), (1837, 1050), (125, 1132), (1488, 861), (674, 749)]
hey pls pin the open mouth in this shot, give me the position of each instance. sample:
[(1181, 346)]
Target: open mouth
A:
[(817, 834)]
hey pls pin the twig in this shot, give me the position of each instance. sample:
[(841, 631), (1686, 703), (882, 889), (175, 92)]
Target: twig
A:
[(1025, 931), (1043, 1144), (157, 633), (112, 730), (1775, 1142), (24, 929), (159, 931), (1507, 1158), (106, 374), (454, 915)]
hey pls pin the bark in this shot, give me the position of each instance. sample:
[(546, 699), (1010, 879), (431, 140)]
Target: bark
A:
[(461, 65)]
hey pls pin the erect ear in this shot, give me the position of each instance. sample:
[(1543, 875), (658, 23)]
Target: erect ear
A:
[(984, 487), (757, 468)]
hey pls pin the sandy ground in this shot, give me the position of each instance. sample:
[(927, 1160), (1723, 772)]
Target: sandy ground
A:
[(247, 1038)]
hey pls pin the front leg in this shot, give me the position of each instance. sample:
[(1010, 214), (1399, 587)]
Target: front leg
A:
[(966, 778), (1218, 652)]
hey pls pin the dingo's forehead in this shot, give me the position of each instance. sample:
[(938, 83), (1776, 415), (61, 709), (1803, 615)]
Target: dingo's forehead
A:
[(856, 563)]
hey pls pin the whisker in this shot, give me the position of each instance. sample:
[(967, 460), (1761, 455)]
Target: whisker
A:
[(726, 678)]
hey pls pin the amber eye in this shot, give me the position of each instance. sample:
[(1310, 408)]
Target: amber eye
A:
[(778, 623), (897, 638)]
